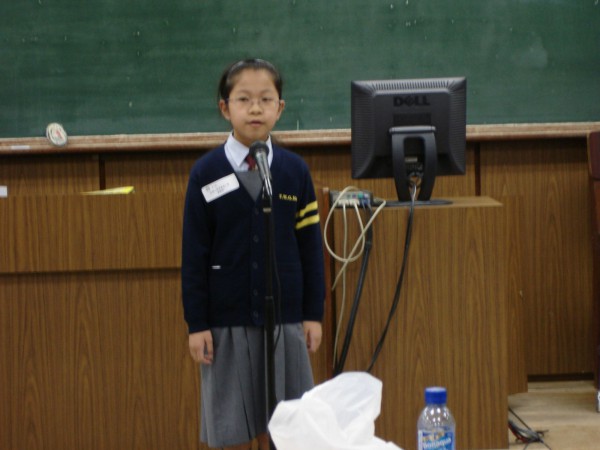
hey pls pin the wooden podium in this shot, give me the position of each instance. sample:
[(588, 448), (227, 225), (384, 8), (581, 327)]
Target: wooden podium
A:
[(94, 344), (451, 327)]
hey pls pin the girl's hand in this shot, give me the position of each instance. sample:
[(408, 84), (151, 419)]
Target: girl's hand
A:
[(313, 332), (201, 347)]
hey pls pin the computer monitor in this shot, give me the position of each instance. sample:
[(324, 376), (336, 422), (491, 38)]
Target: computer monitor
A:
[(412, 130)]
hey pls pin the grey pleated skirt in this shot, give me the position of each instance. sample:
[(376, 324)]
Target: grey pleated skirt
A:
[(233, 403)]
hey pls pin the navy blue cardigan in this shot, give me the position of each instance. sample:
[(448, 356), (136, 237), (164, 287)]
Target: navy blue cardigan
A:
[(223, 248)]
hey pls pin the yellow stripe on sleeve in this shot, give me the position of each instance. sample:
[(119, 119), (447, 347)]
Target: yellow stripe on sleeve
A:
[(312, 206), (308, 221)]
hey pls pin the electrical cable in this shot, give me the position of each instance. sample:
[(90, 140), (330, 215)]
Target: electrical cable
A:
[(353, 256), (413, 194), (360, 240), (343, 288), (525, 435), (339, 364), (347, 259), (355, 253), (343, 302)]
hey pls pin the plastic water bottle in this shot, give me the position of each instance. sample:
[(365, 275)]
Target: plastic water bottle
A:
[(436, 427)]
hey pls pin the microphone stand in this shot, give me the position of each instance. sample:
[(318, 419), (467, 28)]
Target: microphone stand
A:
[(269, 307)]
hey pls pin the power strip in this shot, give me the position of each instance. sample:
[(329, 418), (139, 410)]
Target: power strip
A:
[(352, 198)]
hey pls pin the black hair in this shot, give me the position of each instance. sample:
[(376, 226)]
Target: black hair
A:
[(230, 74)]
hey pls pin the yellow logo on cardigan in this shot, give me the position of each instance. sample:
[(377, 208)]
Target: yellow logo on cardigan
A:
[(288, 197)]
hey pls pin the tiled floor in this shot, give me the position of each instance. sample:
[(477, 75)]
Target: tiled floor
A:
[(564, 411)]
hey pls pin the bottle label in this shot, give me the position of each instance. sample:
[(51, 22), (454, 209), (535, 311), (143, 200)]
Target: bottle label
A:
[(437, 440)]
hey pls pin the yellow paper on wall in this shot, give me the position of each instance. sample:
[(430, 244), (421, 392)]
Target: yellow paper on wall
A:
[(112, 191)]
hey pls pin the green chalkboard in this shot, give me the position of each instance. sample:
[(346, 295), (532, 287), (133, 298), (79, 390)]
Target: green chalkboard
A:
[(152, 66)]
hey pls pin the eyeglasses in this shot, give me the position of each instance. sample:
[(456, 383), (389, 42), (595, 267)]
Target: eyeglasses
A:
[(247, 102)]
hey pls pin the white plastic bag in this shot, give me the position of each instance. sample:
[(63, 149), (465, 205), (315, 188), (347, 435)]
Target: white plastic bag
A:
[(336, 415)]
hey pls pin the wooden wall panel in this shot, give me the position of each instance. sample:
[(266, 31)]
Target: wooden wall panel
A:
[(78, 232), (594, 154), (594, 182), (96, 361), (49, 174), (595, 190), (550, 180), (517, 365), (150, 172)]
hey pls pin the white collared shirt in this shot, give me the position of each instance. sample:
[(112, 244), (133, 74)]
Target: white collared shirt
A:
[(236, 153)]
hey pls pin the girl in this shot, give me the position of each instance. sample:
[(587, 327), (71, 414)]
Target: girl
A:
[(223, 265)]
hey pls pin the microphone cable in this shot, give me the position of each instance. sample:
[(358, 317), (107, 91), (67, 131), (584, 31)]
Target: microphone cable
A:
[(276, 283)]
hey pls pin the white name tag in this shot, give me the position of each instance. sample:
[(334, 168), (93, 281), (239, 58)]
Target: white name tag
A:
[(220, 187)]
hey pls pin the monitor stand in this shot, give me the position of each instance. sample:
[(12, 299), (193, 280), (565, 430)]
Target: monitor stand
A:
[(414, 155)]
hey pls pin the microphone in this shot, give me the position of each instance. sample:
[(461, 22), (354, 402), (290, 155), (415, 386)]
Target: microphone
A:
[(259, 150)]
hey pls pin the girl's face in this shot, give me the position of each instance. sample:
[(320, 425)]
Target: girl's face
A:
[(253, 107)]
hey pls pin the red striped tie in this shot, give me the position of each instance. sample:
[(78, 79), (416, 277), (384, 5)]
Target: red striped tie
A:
[(251, 162)]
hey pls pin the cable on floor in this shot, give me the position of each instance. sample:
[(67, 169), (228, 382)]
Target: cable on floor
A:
[(525, 435)]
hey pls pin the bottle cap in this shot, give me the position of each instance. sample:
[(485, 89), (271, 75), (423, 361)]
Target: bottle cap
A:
[(435, 395)]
